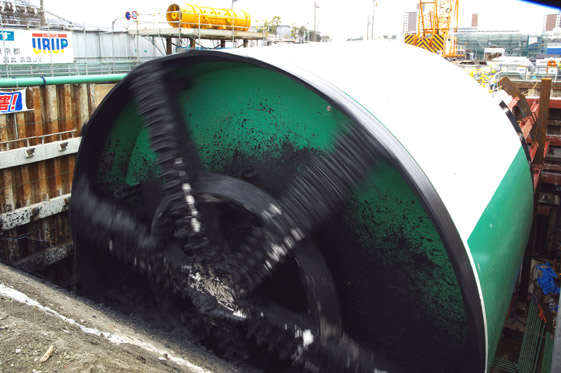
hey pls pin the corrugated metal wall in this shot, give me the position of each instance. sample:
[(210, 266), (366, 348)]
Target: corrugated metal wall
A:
[(96, 52)]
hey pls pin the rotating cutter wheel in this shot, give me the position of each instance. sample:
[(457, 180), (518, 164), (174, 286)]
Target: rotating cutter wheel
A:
[(188, 241), (280, 207)]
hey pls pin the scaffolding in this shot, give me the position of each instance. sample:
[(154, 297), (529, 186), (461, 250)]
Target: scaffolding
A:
[(514, 43)]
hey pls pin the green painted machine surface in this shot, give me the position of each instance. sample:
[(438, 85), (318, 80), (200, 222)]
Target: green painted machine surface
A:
[(402, 274), (492, 241)]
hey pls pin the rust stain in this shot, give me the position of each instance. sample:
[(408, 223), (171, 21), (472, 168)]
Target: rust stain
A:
[(31, 116), (53, 109), (8, 192), (3, 132), (67, 115)]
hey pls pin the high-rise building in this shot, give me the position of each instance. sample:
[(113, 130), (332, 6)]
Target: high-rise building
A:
[(409, 22), (551, 21), (474, 20)]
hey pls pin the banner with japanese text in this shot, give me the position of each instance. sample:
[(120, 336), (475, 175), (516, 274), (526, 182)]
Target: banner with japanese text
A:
[(12, 102), (35, 47)]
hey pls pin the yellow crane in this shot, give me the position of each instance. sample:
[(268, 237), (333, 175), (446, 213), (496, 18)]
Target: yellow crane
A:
[(437, 21)]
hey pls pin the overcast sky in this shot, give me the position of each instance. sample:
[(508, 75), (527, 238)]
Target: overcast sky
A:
[(340, 19)]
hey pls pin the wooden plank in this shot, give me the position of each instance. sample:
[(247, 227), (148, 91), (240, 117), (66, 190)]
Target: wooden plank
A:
[(543, 118)]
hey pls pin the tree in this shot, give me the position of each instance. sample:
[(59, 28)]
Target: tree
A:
[(273, 24), (314, 36), (301, 32)]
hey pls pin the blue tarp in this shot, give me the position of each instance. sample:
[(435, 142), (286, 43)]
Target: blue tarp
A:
[(546, 282)]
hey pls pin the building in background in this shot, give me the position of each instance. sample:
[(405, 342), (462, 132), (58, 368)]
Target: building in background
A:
[(551, 21), (33, 43), (284, 32), (19, 13), (474, 20), (513, 42), (409, 22), (554, 42)]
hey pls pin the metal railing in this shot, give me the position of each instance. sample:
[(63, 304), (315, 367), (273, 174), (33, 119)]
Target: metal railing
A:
[(67, 69), (41, 137), (110, 58)]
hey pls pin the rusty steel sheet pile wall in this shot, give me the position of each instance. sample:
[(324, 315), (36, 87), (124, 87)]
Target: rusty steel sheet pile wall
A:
[(36, 181)]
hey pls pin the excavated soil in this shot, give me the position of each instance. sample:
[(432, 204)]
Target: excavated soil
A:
[(86, 337)]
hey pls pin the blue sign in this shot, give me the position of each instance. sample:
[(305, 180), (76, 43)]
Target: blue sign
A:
[(128, 16), (11, 102), (6, 36)]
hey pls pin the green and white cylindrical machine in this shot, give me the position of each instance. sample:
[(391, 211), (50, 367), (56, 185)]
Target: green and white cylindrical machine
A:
[(419, 245)]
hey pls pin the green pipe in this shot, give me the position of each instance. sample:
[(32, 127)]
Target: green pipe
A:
[(75, 79)]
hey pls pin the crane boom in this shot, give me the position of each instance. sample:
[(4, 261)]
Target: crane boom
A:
[(436, 24)]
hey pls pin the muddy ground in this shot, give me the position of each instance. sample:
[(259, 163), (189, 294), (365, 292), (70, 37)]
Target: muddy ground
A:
[(86, 337)]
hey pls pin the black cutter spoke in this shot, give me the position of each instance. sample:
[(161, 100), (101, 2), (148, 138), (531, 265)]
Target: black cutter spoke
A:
[(156, 98), (325, 183), (316, 277), (107, 225)]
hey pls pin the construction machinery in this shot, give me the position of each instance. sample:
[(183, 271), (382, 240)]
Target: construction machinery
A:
[(302, 216), (437, 21), (194, 16)]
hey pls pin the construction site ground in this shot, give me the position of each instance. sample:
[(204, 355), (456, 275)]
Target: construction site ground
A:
[(37, 318)]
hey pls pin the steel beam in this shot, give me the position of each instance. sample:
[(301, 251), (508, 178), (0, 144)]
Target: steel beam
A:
[(551, 178), (43, 258), (543, 118), (41, 210), (510, 88), (37, 153), (195, 33), (554, 102)]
